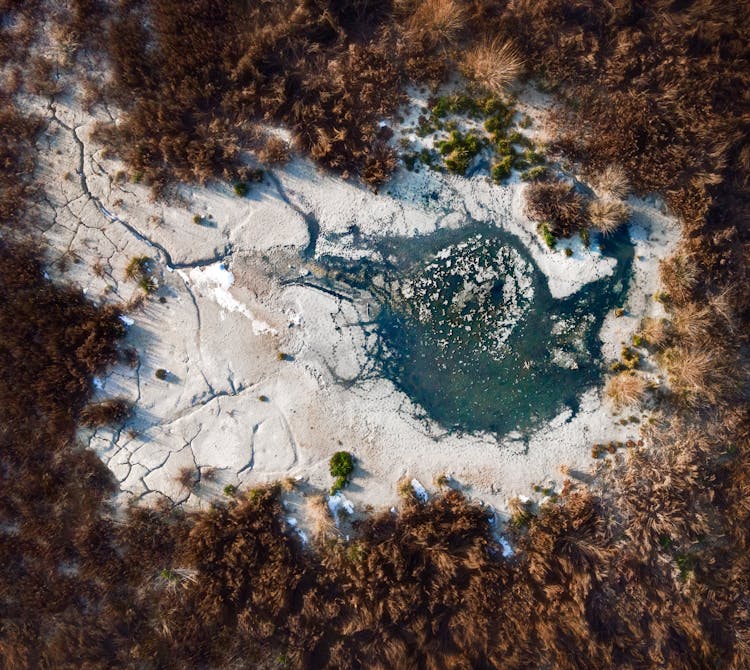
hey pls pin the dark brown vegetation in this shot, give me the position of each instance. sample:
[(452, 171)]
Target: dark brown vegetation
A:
[(556, 204), (652, 573)]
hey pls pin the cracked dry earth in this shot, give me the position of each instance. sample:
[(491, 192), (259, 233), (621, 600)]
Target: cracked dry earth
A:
[(267, 366)]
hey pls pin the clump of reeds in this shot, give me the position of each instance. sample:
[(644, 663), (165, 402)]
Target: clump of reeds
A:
[(319, 519), (275, 151), (679, 275), (703, 372), (654, 331), (440, 23), (612, 182), (106, 413), (607, 214), (626, 389), (493, 64), (556, 204)]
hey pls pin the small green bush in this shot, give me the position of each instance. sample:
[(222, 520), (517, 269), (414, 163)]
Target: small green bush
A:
[(459, 150), (585, 236), (161, 373), (338, 484), (535, 173), (230, 490), (521, 518), (341, 464), (549, 239), (137, 267), (147, 284), (241, 189), (568, 252), (501, 169)]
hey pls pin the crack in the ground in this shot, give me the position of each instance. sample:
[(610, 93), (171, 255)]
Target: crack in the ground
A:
[(80, 171), (313, 227)]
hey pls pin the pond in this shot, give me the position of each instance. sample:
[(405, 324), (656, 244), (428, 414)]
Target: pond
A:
[(468, 329)]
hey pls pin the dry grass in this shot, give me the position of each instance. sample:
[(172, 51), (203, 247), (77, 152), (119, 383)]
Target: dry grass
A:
[(493, 65), (654, 331), (318, 518), (702, 372), (187, 478), (557, 204), (693, 322), (661, 495), (106, 413), (608, 214), (612, 182), (275, 151), (679, 276), (439, 23), (626, 389)]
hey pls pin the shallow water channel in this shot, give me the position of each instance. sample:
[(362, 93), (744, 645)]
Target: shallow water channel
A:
[(468, 329)]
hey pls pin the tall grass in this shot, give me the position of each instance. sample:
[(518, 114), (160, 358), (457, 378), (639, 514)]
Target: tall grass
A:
[(493, 65)]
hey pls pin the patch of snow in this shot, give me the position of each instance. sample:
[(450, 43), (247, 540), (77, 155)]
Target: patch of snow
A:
[(507, 548), (218, 279), (339, 503), (98, 383), (126, 320), (419, 491)]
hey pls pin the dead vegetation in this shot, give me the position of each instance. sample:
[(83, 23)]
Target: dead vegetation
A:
[(493, 65), (556, 204), (607, 214), (626, 389)]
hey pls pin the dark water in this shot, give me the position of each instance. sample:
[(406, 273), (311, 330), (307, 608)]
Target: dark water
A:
[(462, 335)]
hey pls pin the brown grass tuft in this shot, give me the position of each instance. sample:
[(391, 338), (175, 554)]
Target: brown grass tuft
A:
[(654, 331), (188, 478), (493, 65), (557, 204), (318, 518), (275, 151), (105, 413), (626, 389), (679, 276), (702, 373), (607, 214), (612, 182), (438, 23)]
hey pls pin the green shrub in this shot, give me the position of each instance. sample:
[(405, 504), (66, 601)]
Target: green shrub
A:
[(532, 174), (341, 464), (338, 484), (568, 252), (137, 267), (241, 189), (585, 236), (459, 150), (230, 490), (501, 169), (147, 284), (549, 239), (161, 373)]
